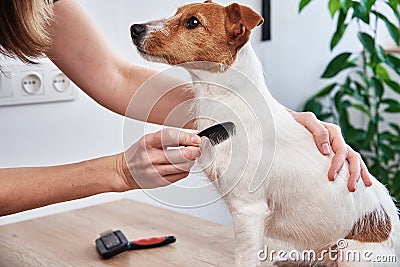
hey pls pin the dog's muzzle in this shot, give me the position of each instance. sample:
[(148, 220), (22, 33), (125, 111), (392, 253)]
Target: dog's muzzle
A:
[(138, 31)]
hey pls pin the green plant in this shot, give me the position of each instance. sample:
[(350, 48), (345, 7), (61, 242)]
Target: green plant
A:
[(364, 99)]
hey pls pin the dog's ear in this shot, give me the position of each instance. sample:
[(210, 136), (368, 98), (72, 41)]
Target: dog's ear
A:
[(208, 1), (240, 19)]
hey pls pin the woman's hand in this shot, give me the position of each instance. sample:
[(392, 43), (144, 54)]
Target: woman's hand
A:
[(149, 163), (328, 137)]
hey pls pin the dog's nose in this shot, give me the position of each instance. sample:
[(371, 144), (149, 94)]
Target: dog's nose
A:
[(137, 30)]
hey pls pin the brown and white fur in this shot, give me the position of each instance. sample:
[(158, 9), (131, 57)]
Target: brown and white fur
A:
[(295, 202)]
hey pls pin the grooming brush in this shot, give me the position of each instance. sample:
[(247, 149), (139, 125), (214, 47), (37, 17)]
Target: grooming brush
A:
[(219, 133), (111, 243)]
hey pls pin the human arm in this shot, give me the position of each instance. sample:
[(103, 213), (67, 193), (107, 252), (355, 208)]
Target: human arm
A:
[(29, 188), (144, 165), (82, 53)]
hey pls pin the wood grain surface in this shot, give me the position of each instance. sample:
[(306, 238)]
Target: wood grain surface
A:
[(67, 239)]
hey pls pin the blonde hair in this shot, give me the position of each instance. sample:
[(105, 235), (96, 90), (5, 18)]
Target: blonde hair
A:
[(23, 28)]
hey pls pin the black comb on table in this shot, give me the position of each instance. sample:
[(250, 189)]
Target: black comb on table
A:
[(219, 132)]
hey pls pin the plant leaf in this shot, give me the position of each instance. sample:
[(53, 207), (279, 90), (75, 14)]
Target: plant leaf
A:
[(378, 87), (361, 108), (357, 137), (394, 6), (346, 104), (326, 90), (334, 6), (303, 4), (396, 185), (387, 151), (380, 52), (367, 4), (389, 101), (324, 116), (393, 30), (394, 62), (395, 127), (337, 36), (314, 106), (338, 99), (367, 41), (394, 85), (369, 135), (338, 64), (393, 3), (360, 89), (382, 73), (387, 136), (393, 106), (346, 5), (341, 27), (393, 109), (359, 12)]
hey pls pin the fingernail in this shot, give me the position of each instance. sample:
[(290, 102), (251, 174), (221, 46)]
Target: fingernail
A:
[(355, 185), (195, 139), (326, 149)]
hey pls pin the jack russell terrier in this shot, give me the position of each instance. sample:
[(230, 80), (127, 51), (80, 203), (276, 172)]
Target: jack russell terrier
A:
[(289, 199)]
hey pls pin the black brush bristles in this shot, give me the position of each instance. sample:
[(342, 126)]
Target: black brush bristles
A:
[(219, 133)]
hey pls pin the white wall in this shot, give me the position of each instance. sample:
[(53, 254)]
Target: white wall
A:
[(46, 134)]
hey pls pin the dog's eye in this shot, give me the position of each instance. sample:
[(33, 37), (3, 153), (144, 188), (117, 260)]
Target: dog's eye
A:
[(192, 23)]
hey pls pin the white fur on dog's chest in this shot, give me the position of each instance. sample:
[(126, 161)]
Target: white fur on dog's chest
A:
[(214, 104)]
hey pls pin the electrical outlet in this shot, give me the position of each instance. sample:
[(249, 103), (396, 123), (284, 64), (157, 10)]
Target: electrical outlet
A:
[(32, 83), (61, 82), (29, 84)]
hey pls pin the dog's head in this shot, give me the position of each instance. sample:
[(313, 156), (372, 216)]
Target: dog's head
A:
[(197, 32)]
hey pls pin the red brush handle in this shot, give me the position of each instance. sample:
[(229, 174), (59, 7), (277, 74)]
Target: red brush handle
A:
[(152, 242)]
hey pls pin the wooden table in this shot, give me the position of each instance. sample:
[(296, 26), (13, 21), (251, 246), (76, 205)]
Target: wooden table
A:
[(67, 239)]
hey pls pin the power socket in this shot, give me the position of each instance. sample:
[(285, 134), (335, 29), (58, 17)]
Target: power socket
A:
[(29, 84), (61, 82), (32, 83)]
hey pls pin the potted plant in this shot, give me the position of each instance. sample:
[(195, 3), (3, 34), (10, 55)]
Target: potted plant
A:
[(367, 88)]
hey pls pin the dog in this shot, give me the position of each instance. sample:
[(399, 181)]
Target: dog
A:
[(270, 173)]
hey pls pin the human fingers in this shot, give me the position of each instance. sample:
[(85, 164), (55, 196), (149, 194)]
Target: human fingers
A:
[(171, 138), (166, 170), (320, 133)]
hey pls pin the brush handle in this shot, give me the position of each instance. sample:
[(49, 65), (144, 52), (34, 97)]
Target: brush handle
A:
[(152, 242)]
